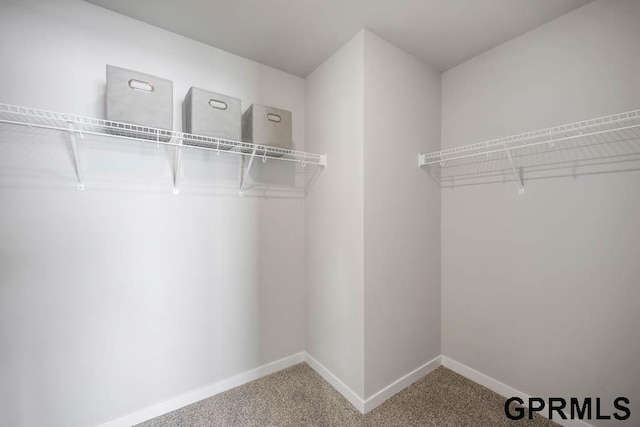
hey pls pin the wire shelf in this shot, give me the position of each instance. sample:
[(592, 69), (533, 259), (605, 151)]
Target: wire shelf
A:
[(52, 120), (118, 132), (612, 140)]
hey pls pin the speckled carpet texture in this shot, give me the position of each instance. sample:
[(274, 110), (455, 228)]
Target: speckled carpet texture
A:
[(298, 396)]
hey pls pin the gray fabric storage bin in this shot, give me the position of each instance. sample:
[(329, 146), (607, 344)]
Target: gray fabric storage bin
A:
[(140, 99), (267, 126), (211, 114)]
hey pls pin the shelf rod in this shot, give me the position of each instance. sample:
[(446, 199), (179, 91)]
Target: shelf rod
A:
[(177, 166), (246, 172), (76, 158)]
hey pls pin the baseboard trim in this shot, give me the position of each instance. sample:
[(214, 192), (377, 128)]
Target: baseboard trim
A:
[(335, 382), (498, 387), (205, 392), (381, 396), (400, 384), (359, 403)]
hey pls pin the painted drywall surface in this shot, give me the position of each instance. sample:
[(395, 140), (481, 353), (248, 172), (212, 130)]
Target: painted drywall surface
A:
[(402, 214), (541, 291), (115, 300), (334, 216)]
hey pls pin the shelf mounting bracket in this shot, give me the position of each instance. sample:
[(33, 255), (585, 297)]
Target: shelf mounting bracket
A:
[(76, 158), (516, 172), (245, 176), (176, 168), (321, 166)]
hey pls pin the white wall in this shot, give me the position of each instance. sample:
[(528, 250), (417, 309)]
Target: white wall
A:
[(124, 295), (373, 222), (402, 214), (541, 291), (334, 216)]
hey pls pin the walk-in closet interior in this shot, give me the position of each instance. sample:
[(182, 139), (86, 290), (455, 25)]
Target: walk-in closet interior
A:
[(358, 213)]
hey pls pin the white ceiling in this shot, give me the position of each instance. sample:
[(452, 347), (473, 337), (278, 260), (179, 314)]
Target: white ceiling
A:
[(298, 35)]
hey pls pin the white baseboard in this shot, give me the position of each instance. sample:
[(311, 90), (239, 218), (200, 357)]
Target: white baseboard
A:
[(205, 392), (358, 402), (400, 384), (498, 387), (329, 377), (381, 396)]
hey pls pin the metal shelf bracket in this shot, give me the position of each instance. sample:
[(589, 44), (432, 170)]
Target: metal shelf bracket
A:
[(516, 172), (76, 158), (245, 176), (176, 168)]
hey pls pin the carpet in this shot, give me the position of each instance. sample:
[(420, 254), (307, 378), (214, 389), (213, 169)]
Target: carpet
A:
[(298, 396)]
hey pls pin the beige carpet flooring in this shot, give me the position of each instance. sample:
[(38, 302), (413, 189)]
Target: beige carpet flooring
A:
[(298, 396)]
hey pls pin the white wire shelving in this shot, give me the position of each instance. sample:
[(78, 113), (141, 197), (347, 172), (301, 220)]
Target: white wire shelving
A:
[(611, 140), (78, 127)]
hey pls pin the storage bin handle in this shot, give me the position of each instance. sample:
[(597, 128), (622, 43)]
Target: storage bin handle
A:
[(274, 117), (141, 85), (217, 104)]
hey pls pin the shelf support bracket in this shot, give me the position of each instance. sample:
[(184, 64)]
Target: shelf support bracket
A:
[(245, 176), (76, 158), (516, 172), (176, 168), (321, 166)]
